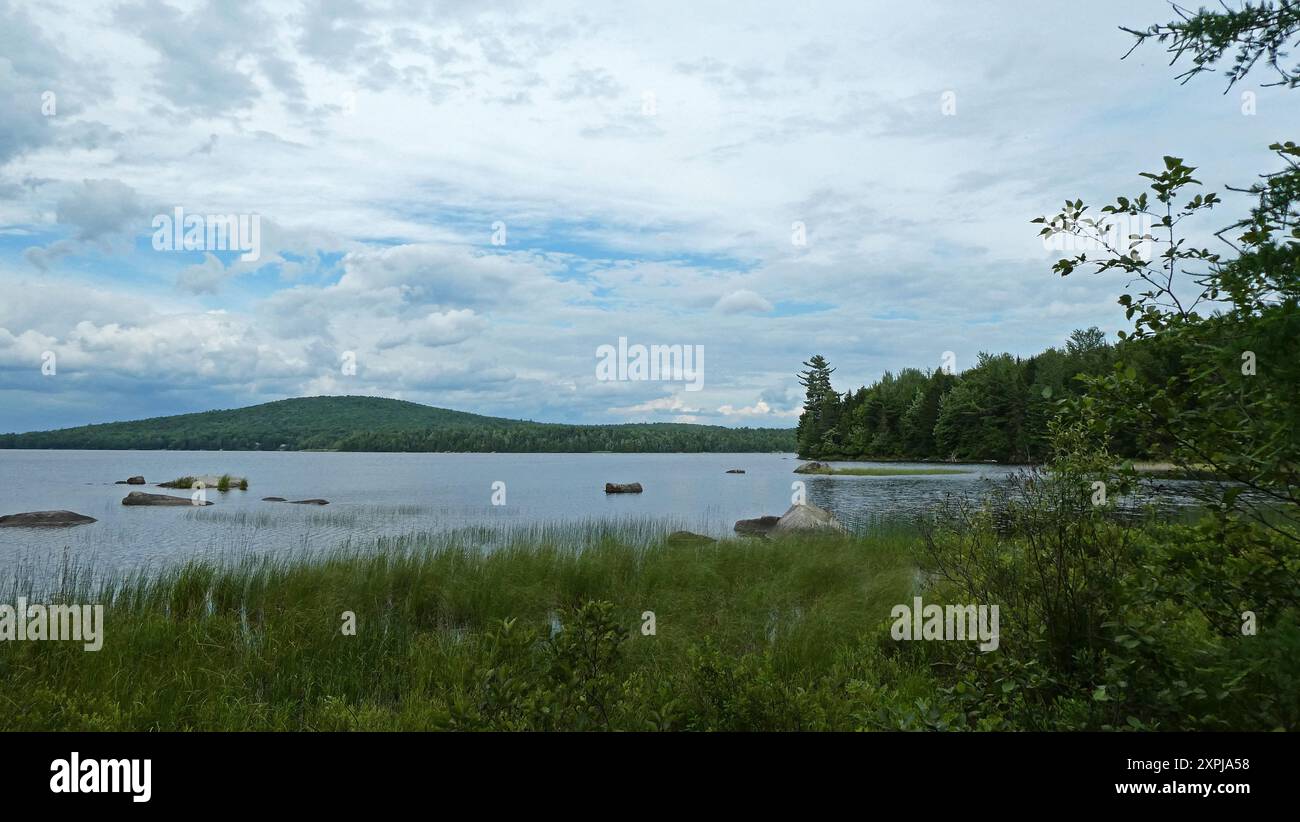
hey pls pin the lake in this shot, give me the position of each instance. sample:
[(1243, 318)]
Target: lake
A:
[(383, 494)]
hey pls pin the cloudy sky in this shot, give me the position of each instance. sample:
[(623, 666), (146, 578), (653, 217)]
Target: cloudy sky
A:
[(466, 200)]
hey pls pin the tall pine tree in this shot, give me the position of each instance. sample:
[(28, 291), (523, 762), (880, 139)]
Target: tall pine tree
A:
[(820, 396)]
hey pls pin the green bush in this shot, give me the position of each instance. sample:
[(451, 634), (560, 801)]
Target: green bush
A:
[(1113, 622)]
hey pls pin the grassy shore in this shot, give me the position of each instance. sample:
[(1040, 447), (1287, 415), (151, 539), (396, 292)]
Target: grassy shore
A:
[(1168, 470), (884, 472), (749, 634)]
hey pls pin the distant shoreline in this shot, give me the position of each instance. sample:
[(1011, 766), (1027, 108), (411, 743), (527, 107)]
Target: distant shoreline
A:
[(789, 454)]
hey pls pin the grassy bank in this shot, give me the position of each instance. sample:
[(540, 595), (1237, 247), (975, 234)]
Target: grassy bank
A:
[(883, 472), (1107, 622), (748, 635)]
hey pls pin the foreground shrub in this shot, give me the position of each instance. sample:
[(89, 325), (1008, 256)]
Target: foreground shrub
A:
[(1110, 621)]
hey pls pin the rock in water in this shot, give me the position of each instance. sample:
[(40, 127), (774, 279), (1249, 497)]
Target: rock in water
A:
[(309, 502), (141, 498), (812, 468), (622, 488), (45, 519), (274, 499), (135, 481), (806, 519), (735, 470), (758, 527)]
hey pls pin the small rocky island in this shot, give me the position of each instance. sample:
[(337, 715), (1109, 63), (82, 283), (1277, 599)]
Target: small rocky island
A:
[(814, 468), (623, 488)]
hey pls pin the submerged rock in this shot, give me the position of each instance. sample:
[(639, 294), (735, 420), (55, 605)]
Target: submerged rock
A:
[(760, 526), (622, 488), (735, 470), (45, 519), (141, 498), (805, 518), (274, 499)]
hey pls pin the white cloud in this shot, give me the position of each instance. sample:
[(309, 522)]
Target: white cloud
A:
[(758, 409), (438, 328), (663, 405), (741, 302)]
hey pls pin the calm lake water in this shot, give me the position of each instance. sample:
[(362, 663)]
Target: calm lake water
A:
[(374, 495)]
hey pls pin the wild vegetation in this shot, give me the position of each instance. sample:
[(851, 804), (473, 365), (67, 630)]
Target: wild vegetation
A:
[(549, 630), (544, 632)]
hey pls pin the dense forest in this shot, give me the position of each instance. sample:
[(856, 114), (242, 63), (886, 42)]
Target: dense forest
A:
[(997, 410), (377, 424)]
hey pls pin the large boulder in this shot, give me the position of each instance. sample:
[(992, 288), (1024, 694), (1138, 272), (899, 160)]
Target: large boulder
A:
[(131, 481), (803, 518), (141, 498), (622, 488), (757, 527), (45, 519), (813, 468)]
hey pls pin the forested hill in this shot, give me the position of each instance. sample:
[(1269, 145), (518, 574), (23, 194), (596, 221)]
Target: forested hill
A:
[(378, 424)]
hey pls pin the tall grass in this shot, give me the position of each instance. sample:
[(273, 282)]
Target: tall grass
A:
[(256, 642)]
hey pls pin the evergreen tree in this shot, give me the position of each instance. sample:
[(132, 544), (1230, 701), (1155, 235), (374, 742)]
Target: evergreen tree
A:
[(819, 398)]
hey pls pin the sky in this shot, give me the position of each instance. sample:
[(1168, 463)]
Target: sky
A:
[(461, 204)]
